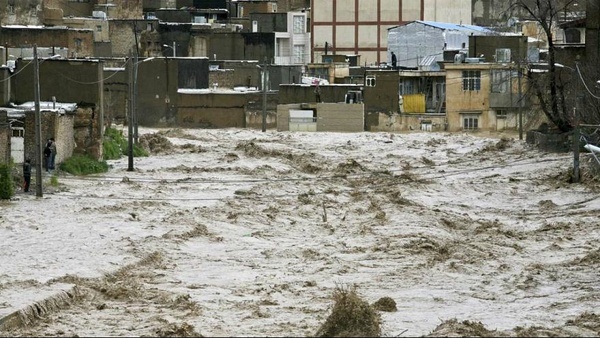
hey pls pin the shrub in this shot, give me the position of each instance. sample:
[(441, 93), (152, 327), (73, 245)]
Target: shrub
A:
[(116, 145), (83, 165), (351, 317), (386, 304), (7, 189)]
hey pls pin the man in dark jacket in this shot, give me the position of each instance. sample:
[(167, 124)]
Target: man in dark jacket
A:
[(48, 155), (26, 175)]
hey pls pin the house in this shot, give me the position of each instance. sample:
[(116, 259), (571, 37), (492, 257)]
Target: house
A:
[(76, 42), (483, 96), (77, 81), (419, 41), (360, 27), (292, 38)]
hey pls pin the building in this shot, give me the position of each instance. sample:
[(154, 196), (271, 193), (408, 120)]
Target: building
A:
[(360, 27), (482, 96), (292, 38), (427, 41)]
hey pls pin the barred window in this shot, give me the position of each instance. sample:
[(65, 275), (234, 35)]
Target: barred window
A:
[(470, 122), (471, 79)]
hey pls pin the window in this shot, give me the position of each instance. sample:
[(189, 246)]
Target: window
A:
[(503, 55), (572, 35), (274, 8), (370, 81), (471, 79), (11, 9), (149, 27), (500, 81), (99, 28), (407, 86), (298, 24), (501, 114), (298, 53), (470, 122)]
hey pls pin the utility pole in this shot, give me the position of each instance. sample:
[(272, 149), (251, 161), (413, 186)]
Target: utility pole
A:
[(520, 102), (576, 148), (38, 125), (576, 125), (135, 93), (131, 91), (264, 108)]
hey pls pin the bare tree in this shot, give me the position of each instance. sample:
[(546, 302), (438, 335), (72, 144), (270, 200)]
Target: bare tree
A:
[(550, 88)]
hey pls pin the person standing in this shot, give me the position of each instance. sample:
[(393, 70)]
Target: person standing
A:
[(394, 60), (52, 153), (47, 154), (26, 175)]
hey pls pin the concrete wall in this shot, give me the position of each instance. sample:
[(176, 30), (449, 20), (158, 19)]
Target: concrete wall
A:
[(460, 102), (487, 46), (383, 97), (340, 117), (4, 86), (270, 22), (224, 110), (247, 73), (58, 126), (80, 42), (211, 111), (21, 12), (292, 5), (306, 93), (157, 83), (70, 8), (256, 7), (376, 122), (331, 117), (123, 39), (73, 81)]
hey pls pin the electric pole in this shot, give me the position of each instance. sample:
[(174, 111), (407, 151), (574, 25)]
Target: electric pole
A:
[(38, 124), (264, 108), (130, 115)]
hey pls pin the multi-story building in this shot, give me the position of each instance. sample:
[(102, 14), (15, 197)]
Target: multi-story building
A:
[(360, 26), (292, 38)]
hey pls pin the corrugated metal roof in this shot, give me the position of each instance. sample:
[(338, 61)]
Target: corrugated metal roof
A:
[(453, 26), (428, 60)]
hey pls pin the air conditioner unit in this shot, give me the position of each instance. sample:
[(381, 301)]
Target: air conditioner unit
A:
[(99, 15), (503, 55), (459, 58)]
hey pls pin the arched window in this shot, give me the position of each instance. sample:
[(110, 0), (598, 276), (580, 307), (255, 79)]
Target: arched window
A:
[(572, 35)]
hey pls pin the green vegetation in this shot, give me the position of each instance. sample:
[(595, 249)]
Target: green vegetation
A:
[(116, 145), (83, 165), (7, 189), (54, 180)]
